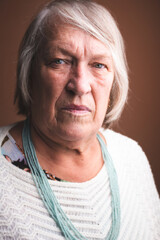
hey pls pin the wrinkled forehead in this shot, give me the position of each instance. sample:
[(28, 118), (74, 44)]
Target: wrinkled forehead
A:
[(66, 38)]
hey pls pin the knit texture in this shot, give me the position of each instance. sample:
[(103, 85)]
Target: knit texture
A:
[(88, 204)]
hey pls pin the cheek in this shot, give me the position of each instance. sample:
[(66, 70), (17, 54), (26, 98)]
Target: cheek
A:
[(101, 95), (103, 86), (49, 87)]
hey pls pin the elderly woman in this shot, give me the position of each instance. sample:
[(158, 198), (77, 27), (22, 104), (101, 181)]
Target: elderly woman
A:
[(63, 173)]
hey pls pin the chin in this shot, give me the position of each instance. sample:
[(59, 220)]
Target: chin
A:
[(75, 132)]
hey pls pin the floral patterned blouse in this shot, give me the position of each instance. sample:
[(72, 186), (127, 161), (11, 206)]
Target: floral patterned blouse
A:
[(14, 154)]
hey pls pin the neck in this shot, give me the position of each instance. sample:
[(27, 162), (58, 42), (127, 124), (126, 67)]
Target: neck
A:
[(65, 159)]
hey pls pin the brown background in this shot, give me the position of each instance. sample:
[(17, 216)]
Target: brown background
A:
[(139, 22)]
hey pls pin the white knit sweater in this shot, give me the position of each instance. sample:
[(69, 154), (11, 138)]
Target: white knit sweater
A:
[(88, 204)]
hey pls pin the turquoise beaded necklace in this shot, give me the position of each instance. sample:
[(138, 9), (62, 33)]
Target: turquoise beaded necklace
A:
[(50, 201)]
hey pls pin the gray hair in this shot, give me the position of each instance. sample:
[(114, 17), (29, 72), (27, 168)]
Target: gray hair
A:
[(93, 19)]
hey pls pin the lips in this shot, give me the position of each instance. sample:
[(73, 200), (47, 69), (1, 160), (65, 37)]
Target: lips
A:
[(78, 108)]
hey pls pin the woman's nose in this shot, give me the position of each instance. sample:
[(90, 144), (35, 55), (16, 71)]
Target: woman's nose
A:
[(79, 80)]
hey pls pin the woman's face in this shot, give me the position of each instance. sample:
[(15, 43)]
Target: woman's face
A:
[(71, 85)]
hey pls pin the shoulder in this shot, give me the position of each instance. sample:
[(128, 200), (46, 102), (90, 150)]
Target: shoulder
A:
[(128, 156), (119, 142), (111, 134), (122, 146), (4, 130), (127, 152), (135, 177)]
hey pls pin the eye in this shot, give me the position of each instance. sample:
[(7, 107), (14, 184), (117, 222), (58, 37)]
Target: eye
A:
[(58, 61), (99, 65)]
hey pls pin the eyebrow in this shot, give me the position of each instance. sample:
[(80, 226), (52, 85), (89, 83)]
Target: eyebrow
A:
[(68, 52), (102, 56)]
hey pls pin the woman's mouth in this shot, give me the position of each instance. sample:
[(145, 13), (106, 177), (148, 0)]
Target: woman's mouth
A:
[(76, 109)]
